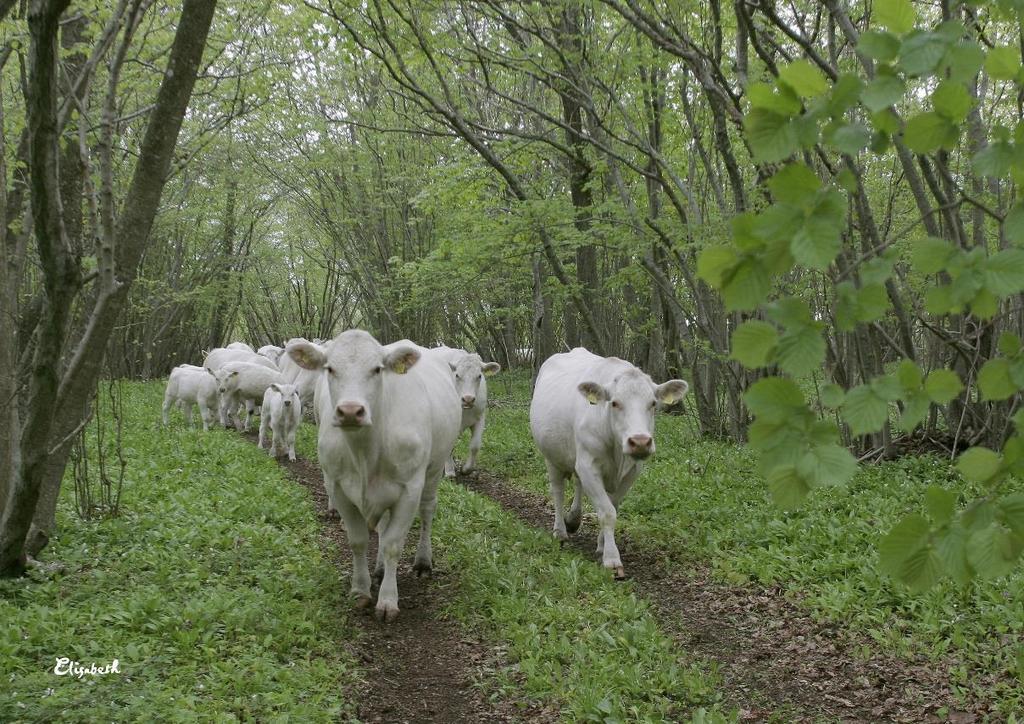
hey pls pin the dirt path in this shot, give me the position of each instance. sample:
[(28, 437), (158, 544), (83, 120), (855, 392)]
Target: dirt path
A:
[(422, 667), (772, 655)]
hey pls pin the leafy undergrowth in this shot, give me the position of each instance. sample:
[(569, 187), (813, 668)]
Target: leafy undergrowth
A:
[(577, 639), (209, 589), (702, 501)]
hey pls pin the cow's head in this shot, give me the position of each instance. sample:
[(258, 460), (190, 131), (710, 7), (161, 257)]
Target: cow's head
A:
[(469, 371), (289, 394), (227, 380), (629, 403), (353, 365)]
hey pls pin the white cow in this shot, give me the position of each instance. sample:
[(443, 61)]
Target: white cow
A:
[(388, 419), (281, 412), (188, 385), (471, 374), (304, 380), (272, 352), (594, 416), (244, 382), (220, 356), (241, 345)]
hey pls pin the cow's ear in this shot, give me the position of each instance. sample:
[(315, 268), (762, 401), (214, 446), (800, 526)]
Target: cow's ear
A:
[(453, 366), (400, 359), (210, 371), (234, 373), (491, 368), (671, 392), (306, 355), (593, 392), (274, 386)]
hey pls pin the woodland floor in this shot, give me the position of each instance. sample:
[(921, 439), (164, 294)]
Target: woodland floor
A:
[(422, 667), (777, 662)]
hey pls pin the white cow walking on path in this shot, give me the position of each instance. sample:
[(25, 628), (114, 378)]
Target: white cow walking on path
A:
[(281, 413), (594, 416), (389, 416), (471, 374)]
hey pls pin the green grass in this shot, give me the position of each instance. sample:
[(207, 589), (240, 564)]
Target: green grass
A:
[(702, 503), (577, 639), (210, 590)]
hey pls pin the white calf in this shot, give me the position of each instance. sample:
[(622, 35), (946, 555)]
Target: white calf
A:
[(281, 412), (188, 385)]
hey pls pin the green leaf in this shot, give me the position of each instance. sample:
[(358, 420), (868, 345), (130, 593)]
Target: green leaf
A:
[(788, 487), (915, 408), (746, 285), (879, 45), (772, 137), (931, 255), (1004, 272), (845, 94), (1011, 511), (1003, 63), (898, 16), (815, 245), (979, 464), (909, 375), (851, 138), (995, 160), (753, 342), (940, 503), (921, 52), (906, 554), (882, 92), (941, 386), (951, 546), (832, 395), (804, 78), (1013, 224), (780, 100), (992, 551), (964, 61), (801, 350), (794, 184), (994, 380), (952, 101), (828, 464), (1008, 344), (864, 411), (713, 263), (927, 132), (774, 398)]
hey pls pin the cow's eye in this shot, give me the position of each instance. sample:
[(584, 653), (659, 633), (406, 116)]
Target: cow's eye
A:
[(615, 404), (479, 377), (458, 376), (654, 404), (330, 370), (378, 369)]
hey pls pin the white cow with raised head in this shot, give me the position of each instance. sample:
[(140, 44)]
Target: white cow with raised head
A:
[(304, 380), (389, 416), (594, 416), (471, 374), (281, 414)]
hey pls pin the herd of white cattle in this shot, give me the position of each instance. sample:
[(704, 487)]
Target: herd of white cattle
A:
[(389, 416)]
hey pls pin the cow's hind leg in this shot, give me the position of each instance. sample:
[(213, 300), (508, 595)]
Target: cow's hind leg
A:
[(556, 478), (575, 514), (424, 562), (358, 539)]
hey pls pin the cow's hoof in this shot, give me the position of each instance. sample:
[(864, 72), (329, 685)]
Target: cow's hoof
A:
[(620, 573), (572, 524), (333, 514), (561, 535), (362, 601), (422, 568), (387, 612)]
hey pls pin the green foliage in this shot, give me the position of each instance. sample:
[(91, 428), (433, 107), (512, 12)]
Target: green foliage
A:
[(210, 590), (803, 228)]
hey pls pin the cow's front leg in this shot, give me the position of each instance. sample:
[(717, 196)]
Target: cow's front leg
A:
[(358, 539), (392, 540), (474, 445), (590, 478)]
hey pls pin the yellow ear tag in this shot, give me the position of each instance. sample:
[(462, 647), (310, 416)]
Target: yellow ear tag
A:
[(592, 398), (399, 367)]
